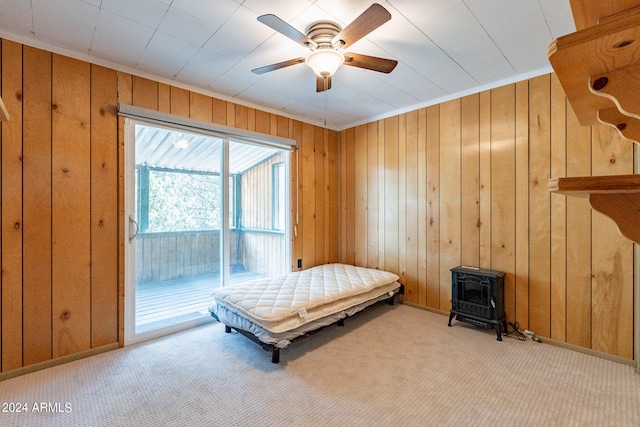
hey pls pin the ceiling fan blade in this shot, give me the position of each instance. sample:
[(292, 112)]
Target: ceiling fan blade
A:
[(374, 63), (368, 21), (282, 27), (323, 83), (277, 66)]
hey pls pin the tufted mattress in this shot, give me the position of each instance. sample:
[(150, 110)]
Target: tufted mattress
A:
[(288, 302)]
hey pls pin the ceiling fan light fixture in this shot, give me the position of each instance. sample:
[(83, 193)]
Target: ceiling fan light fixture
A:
[(325, 61)]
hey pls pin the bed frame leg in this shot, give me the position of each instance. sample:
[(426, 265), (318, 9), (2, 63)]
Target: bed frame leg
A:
[(391, 301), (275, 355), (227, 329), (341, 322)]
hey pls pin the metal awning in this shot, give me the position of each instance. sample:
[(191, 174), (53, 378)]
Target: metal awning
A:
[(177, 150)]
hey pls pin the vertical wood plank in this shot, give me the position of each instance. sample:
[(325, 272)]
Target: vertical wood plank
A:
[(612, 255), (231, 114), (307, 196), (121, 226), (37, 205), (503, 190), (470, 181), (381, 195), (360, 223), (11, 202), (125, 88), (283, 127), (522, 206), (164, 98), (423, 218), (333, 199), (558, 213), (104, 207), (450, 182), (326, 189), (343, 197), (372, 195), (251, 118), (200, 107), (484, 235), (402, 199), (242, 117), (319, 157), (391, 190), (145, 93), (349, 194), (411, 202), (263, 123), (179, 101), (540, 207), (71, 206), (578, 236), (220, 112), (433, 206)]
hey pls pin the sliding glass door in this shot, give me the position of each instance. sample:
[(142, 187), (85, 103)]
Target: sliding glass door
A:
[(203, 211)]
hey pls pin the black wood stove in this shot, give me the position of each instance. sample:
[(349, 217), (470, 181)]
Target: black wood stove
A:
[(477, 297)]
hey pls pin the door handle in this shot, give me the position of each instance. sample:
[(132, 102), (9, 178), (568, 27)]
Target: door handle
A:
[(132, 222)]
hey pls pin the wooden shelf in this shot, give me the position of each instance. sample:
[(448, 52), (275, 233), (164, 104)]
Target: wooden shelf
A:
[(4, 114), (584, 59), (599, 69), (617, 196)]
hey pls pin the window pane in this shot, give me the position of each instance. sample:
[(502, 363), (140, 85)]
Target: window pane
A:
[(179, 208), (181, 201), (255, 246)]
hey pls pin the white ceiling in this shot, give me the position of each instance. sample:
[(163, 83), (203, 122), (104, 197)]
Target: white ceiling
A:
[(445, 48)]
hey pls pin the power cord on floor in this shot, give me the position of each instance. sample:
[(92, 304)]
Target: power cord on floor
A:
[(515, 331), (522, 336)]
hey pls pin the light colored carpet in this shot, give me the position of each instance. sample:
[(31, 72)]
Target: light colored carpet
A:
[(390, 365)]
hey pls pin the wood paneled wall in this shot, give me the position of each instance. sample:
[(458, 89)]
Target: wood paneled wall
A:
[(62, 223), (59, 206), (465, 182)]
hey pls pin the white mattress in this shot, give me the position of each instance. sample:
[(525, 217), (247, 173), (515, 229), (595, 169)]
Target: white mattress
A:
[(283, 303)]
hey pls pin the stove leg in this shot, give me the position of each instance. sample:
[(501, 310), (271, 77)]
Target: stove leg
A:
[(451, 316), (498, 329)]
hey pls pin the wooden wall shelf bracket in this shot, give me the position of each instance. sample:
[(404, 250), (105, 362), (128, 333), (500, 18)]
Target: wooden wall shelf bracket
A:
[(616, 196), (627, 126), (605, 48), (622, 87)]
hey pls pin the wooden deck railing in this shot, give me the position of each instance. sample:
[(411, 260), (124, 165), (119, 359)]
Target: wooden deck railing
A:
[(175, 255)]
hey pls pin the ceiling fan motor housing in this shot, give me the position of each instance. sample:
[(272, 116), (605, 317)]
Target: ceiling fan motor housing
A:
[(323, 32)]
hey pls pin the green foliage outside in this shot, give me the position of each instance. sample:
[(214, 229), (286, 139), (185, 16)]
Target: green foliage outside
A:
[(181, 201)]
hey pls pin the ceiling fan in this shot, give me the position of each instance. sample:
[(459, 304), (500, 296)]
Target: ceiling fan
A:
[(326, 40)]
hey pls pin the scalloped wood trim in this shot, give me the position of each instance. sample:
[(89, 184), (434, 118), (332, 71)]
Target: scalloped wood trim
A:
[(4, 114)]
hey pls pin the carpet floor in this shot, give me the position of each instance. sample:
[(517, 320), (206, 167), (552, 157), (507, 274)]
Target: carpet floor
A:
[(389, 365)]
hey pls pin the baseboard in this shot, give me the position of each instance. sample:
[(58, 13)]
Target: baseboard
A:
[(589, 351), (422, 307), (57, 361), (550, 341)]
